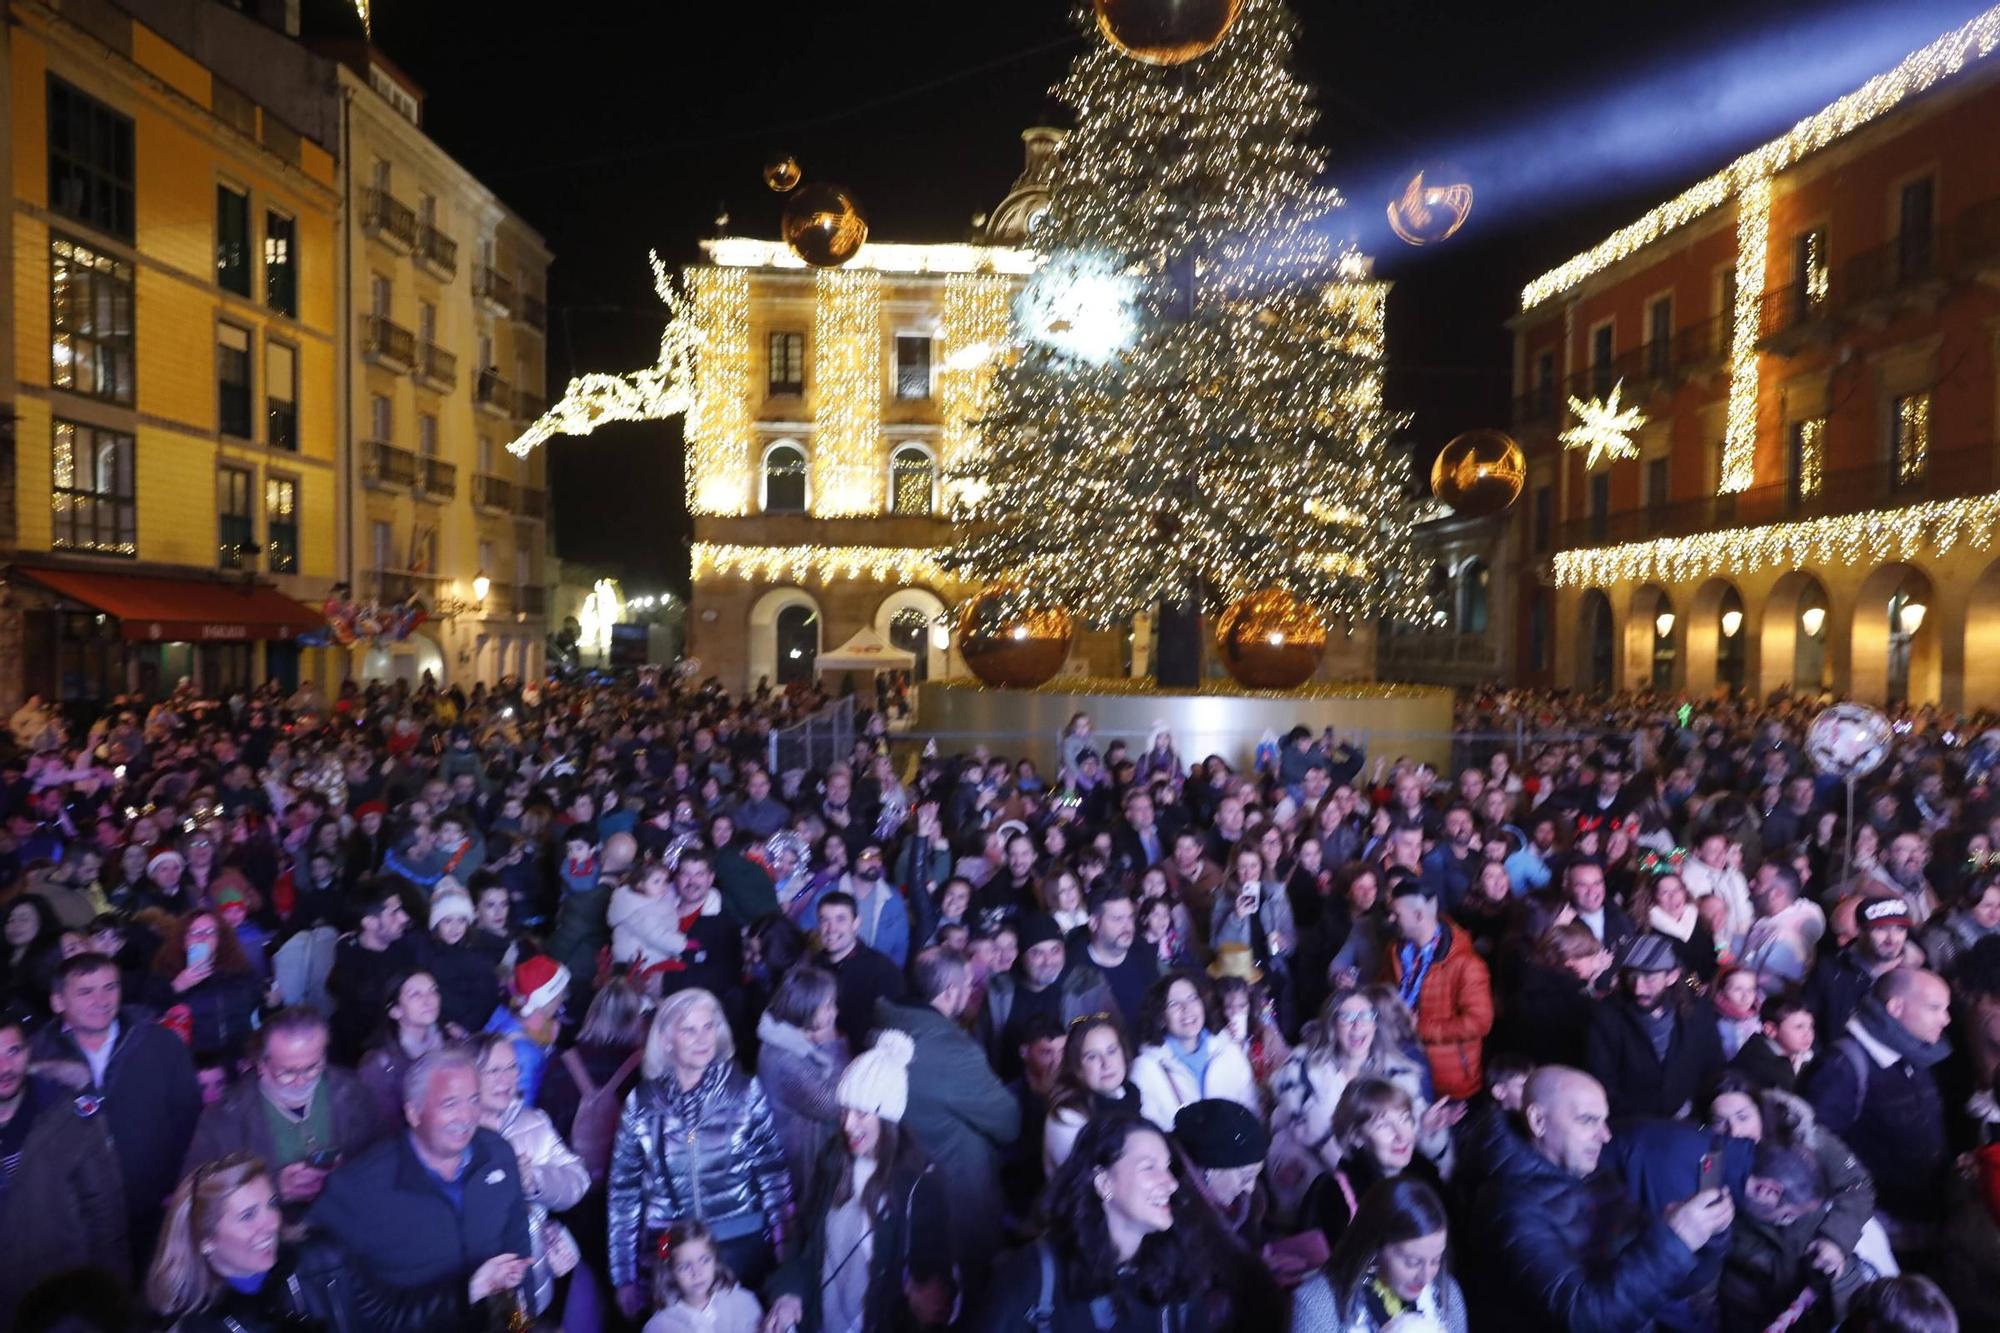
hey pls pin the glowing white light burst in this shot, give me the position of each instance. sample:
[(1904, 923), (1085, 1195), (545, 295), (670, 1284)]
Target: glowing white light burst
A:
[(1082, 305), (1603, 428)]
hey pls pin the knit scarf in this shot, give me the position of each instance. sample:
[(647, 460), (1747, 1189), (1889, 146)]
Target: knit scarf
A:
[(1417, 965)]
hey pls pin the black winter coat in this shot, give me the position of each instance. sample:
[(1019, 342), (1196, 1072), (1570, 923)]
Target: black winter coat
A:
[(1019, 1284), (65, 1205), (1547, 1017), (223, 1009), (468, 980), (1618, 1052), (313, 1286), (912, 1241)]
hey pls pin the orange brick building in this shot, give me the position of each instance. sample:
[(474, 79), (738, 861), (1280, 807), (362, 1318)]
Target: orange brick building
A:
[(1813, 336)]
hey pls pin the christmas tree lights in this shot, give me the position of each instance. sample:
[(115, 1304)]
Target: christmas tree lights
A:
[(1236, 435)]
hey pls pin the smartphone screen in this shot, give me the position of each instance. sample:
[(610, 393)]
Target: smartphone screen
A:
[(1711, 1173)]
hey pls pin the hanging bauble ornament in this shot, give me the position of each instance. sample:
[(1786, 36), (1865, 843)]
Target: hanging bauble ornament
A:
[(1270, 640), (824, 225), (1011, 640), (1166, 32), (1479, 473), (1425, 212), (782, 174)]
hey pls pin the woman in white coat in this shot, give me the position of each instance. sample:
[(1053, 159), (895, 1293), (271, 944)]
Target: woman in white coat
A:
[(553, 1177), (1185, 1055)]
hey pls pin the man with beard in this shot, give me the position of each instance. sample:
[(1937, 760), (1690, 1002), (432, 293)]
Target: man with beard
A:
[(1653, 1046), (437, 1201), (1010, 894), (1901, 875), (300, 1115), (1840, 978), (1043, 984), (1114, 924)]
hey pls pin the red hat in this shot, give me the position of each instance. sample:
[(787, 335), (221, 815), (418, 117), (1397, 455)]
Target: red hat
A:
[(367, 808), (539, 982)]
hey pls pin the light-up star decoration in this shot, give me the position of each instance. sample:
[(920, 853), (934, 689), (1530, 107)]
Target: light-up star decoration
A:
[(1603, 428), (661, 391)]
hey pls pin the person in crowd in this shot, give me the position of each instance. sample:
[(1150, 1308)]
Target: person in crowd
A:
[(200, 969), (1842, 977), (225, 1266), (1736, 998), (693, 1289), (1184, 1055), (1108, 948), (467, 979), (1654, 1046), (696, 1140), (29, 953), (1112, 1245), (1782, 1052), (366, 961), (1876, 1088), (1950, 936), (1783, 941), (1390, 1262), (1904, 1304), (412, 1027), (300, 1115), (553, 1179), (532, 1017), (862, 976), (1375, 1133), (1045, 980), (1665, 907), (1551, 1011), (62, 1199), (1443, 981), (434, 1203), (140, 1073), (1094, 1079), (1716, 870), (800, 1055), (875, 1239)]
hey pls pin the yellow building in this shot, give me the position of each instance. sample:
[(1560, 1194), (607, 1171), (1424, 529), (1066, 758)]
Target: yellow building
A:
[(170, 315), (446, 342)]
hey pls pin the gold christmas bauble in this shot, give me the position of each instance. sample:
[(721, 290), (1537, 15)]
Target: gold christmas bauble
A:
[(1479, 473), (1011, 641), (1166, 32), (782, 174), (1270, 640), (824, 225)]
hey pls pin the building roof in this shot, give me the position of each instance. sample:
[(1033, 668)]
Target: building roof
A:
[(1916, 73)]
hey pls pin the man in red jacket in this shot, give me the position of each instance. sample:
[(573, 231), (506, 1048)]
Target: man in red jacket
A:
[(1446, 985)]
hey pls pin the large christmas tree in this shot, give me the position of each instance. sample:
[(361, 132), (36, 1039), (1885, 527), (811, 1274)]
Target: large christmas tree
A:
[(1194, 398)]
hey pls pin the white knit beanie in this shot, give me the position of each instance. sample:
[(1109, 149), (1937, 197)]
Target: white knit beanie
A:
[(878, 1080), (451, 902)]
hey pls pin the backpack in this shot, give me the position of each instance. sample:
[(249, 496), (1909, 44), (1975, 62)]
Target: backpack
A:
[(595, 1128), (1042, 1314)]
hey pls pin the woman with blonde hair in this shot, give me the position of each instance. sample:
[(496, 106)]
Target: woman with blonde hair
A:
[(696, 1139), (221, 1267), (553, 1178)]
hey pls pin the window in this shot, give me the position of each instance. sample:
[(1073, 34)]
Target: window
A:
[(1545, 384), (1601, 370), (1656, 486), (232, 376), (1600, 505), (381, 545), (91, 164), (281, 396), (281, 273), (90, 322), (912, 481), (427, 322), (1810, 277), (236, 535), (913, 366), (1474, 591), (232, 240), (524, 567), (486, 456), (1725, 293), (1660, 337), (1915, 229), (380, 295), (1910, 438), (427, 434), (382, 417), (94, 504), (1545, 517), (785, 479), (789, 363), (1804, 459), (485, 565)]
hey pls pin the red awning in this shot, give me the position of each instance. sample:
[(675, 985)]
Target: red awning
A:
[(154, 610)]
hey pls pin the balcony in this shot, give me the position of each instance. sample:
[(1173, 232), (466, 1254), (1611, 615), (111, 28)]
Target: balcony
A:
[(386, 467), (530, 503), (1947, 474), (533, 313), (1792, 318), (1539, 406), (492, 289), (529, 406), (531, 599), (436, 253), (1975, 238), (492, 494), (440, 480), (1909, 269), (492, 394), (1641, 370), (387, 344), (389, 220), (393, 586), (436, 368), (1703, 346)]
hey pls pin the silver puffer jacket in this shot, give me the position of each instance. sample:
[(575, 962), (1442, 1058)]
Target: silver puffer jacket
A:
[(709, 1152)]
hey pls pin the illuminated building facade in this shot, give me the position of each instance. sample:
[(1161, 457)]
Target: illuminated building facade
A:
[(1811, 338)]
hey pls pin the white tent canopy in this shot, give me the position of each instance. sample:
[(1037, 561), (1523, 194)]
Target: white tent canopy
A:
[(866, 651)]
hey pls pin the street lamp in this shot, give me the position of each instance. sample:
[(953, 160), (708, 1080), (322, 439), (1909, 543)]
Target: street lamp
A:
[(1664, 623), (481, 585), (1913, 617), (1812, 620), (1732, 620)]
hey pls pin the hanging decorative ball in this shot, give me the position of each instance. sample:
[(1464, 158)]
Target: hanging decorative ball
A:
[(1010, 641), (782, 174), (1166, 32), (1479, 473), (1270, 640), (1428, 211), (824, 225)]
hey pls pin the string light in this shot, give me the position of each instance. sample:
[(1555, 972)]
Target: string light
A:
[(819, 564), (847, 379), (972, 338), (719, 422), (1604, 427), (1850, 539), (1812, 436), (1913, 437), (748, 252), (1753, 234), (1872, 100)]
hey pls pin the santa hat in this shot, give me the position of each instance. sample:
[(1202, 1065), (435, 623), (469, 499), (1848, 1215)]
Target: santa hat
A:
[(539, 982), (367, 808), (161, 858), (450, 901), (877, 1082)]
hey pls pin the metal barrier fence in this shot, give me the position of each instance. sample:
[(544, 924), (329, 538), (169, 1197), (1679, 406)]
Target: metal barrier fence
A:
[(815, 742)]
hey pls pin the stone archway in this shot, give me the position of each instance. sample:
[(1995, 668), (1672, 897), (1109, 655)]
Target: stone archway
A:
[(765, 616), (1795, 636), (1894, 643), (1597, 645), (1651, 657), (907, 606), (1718, 638)]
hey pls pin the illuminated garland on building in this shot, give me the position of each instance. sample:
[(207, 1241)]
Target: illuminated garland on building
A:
[(1851, 539), (847, 393), (901, 565), (1753, 237), (1913, 437), (971, 343), (1604, 427), (1872, 100), (1812, 455), (719, 465)]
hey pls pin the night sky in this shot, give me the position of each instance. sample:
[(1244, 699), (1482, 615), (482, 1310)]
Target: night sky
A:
[(615, 128)]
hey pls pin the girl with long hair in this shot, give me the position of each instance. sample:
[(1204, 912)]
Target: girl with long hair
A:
[(553, 1178), (1375, 1130), (200, 967), (1094, 1079), (1390, 1263), (694, 1291), (1185, 1055), (411, 1029)]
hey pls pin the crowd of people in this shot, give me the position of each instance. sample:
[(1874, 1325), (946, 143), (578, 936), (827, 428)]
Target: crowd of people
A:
[(552, 1005)]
